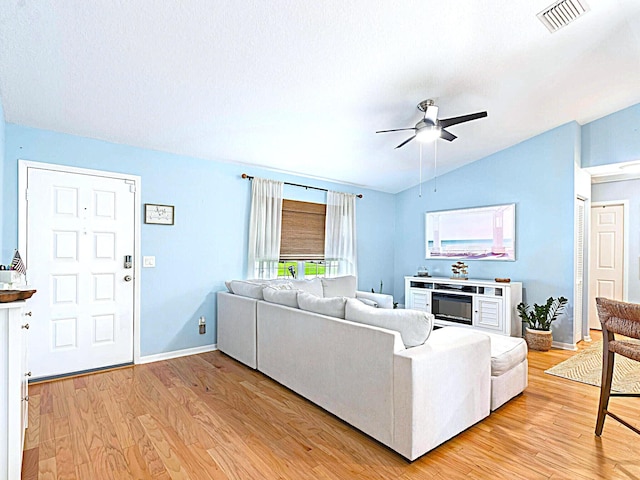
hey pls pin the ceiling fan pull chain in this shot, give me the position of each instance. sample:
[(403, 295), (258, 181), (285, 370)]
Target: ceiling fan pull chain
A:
[(435, 166), (420, 191)]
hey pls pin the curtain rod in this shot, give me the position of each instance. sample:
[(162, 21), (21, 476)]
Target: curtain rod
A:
[(249, 177)]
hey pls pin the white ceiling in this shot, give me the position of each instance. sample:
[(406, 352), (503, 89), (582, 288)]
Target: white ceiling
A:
[(302, 86)]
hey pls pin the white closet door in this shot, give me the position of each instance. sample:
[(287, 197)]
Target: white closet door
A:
[(606, 268)]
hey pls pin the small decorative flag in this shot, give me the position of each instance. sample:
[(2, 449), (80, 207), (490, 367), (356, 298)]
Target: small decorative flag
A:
[(17, 264)]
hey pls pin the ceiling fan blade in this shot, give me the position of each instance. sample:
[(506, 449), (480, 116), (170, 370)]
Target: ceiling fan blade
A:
[(406, 141), (447, 135), (395, 130), (447, 122)]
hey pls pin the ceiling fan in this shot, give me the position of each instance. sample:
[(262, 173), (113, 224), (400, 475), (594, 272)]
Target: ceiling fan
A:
[(431, 127)]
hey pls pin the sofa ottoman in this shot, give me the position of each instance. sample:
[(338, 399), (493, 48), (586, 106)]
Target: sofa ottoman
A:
[(509, 368)]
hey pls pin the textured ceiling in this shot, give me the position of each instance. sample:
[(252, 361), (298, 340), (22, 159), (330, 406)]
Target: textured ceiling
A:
[(302, 86)]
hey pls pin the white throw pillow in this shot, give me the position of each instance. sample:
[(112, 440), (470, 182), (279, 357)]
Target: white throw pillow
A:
[(414, 326), (340, 286), (312, 286), (368, 301), (333, 307), (227, 284), (280, 286), (247, 288), (281, 296)]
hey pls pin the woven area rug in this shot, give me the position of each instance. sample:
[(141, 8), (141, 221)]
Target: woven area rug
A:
[(586, 367)]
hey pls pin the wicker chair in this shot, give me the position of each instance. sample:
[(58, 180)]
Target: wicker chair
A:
[(624, 319)]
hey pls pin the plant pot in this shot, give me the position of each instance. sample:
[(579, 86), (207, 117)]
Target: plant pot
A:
[(538, 339)]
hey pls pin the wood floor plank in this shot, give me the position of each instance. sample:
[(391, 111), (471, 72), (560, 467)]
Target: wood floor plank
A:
[(209, 417), (32, 436), (30, 464), (65, 465), (47, 469), (151, 458), (169, 456)]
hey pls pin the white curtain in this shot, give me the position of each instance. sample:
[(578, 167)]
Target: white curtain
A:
[(265, 225), (340, 234)]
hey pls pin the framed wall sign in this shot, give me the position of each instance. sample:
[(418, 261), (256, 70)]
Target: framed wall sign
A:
[(158, 214)]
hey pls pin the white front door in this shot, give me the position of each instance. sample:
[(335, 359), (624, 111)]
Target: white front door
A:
[(79, 229), (606, 267)]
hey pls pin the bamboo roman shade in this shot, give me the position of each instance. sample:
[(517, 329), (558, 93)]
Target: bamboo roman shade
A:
[(302, 235)]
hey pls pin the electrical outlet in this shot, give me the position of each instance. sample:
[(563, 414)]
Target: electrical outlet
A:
[(202, 320), (149, 261)]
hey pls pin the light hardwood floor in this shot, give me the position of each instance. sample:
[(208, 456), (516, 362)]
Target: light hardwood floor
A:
[(209, 417)]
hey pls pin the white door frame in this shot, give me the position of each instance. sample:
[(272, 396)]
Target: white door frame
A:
[(625, 250), (136, 181)]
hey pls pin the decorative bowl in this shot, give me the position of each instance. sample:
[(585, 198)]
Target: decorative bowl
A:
[(7, 296)]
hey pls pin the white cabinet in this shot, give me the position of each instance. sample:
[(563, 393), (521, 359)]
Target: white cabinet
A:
[(14, 400), (420, 299), (481, 304), (488, 313)]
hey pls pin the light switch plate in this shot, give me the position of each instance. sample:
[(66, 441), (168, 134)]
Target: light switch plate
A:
[(149, 261)]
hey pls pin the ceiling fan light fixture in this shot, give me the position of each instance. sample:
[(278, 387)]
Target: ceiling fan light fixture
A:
[(428, 134)]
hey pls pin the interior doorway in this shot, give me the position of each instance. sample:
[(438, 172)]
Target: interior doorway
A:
[(607, 258), (79, 235)]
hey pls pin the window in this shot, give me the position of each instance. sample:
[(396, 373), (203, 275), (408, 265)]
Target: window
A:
[(312, 268), (302, 240)]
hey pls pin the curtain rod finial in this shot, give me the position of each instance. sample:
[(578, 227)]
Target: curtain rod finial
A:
[(244, 175)]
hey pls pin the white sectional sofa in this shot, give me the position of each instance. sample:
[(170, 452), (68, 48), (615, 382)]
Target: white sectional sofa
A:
[(237, 313), (391, 377)]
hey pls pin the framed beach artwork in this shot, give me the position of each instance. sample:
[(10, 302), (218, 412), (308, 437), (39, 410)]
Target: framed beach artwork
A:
[(481, 233)]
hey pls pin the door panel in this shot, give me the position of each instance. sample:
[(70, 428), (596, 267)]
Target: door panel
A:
[(606, 270), (79, 229)]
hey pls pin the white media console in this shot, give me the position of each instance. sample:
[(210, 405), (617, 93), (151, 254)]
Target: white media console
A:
[(482, 304)]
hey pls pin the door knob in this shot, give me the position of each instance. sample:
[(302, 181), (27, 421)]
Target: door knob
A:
[(127, 278)]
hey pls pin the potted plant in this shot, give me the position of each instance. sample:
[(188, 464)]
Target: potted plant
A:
[(539, 318), (395, 304)]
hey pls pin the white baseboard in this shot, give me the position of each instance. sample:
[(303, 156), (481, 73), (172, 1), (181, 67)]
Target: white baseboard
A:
[(177, 353), (564, 346)]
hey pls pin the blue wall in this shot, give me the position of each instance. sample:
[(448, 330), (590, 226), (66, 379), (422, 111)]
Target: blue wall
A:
[(3, 256), (612, 139), (626, 190), (208, 243), (537, 175)]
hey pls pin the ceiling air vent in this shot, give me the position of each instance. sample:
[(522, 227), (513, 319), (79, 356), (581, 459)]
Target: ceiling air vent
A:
[(562, 13)]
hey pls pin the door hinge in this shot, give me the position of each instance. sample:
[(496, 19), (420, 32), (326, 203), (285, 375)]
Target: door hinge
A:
[(26, 194), (132, 185)]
